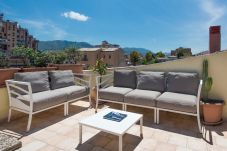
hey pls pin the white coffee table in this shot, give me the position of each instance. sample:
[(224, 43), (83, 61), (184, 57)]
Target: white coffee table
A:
[(116, 128)]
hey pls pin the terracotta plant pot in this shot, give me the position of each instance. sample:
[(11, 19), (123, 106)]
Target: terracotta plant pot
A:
[(7, 74), (94, 94), (212, 113)]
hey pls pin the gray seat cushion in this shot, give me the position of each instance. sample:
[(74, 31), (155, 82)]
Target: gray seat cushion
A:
[(74, 92), (125, 78), (142, 97), (39, 80), (60, 79), (147, 80), (186, 83), (177, 101), (113, 93), (45, 99)]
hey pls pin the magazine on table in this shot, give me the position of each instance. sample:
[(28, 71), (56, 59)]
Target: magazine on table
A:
[(115, 116)]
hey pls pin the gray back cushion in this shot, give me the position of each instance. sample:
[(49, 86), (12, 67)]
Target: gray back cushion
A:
[(39, 80), (147, 80), (125, 78), (186, 83), (60, 79)]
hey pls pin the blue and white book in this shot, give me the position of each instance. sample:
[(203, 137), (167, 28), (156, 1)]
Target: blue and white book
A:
[(115, 116)]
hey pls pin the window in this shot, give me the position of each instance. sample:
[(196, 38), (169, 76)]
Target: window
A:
[(104, 57), (85, 58), (109, 56)]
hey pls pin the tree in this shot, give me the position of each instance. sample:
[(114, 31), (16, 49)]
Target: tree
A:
[(41, 59), (57, 57), (183, 52), (180, 54), (4, 62), (134, 57), (160, 54), (26, 54), (149, 56), (73, 55)]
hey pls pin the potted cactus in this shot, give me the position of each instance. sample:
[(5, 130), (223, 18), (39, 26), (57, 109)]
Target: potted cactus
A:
[(212, 108)]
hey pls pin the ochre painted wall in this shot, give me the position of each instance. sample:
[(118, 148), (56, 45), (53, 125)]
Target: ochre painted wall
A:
[(4, 104)]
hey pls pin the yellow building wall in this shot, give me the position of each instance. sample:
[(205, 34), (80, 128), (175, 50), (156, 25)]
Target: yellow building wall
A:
[(4, 104)]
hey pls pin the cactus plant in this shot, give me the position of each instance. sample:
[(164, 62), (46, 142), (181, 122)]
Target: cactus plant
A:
[(207, 81), (212, 108)]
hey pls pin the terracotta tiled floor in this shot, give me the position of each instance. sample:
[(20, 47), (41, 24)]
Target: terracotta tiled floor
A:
[(51, 131)]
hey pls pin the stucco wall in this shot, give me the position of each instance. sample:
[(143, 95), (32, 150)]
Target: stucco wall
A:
[(4, 103)]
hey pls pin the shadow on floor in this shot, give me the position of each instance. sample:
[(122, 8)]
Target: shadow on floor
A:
[(104, 141), (40, 120), (176, 123)]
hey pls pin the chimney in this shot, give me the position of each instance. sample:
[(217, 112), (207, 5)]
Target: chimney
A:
[(215, 39)]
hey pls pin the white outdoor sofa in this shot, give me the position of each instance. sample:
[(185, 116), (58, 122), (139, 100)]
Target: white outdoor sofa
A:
[(173, 91), (34, 92)]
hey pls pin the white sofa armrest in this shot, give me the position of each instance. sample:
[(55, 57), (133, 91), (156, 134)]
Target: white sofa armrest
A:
[(104, 81), (16, 89), (199, 95), (83, 79)]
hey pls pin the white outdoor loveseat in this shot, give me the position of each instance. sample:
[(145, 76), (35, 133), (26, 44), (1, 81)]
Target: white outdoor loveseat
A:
[(176, 92), (34, 92)]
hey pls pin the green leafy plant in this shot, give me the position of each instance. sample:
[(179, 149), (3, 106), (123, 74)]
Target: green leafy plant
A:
[(26, 54), (41, 59), (73, 55), (207, 81), (160, 54), (134, 57), (100, 67), (4, 62)]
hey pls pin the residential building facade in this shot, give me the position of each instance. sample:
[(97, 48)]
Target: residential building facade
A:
[(112, 56), (12, 35)]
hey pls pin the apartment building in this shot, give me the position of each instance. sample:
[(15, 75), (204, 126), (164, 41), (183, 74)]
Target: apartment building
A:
[(112, 56), (12, 35)]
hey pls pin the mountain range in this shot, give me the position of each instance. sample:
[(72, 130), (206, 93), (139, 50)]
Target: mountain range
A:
[(57, 45)]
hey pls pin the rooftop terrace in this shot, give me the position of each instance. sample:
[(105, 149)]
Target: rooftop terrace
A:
[(52, 131)]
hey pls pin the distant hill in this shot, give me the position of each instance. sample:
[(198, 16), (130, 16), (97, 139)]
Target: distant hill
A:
[(61, 44), (128, 50)]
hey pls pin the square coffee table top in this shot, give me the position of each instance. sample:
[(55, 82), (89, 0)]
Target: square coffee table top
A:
[(117, 128)]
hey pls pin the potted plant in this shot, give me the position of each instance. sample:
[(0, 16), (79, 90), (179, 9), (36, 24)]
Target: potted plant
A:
[(212, 108), (100, 68)]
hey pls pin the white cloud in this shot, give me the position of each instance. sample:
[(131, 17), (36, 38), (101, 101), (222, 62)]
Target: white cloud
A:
[(75, 16), (214, 10), (43, 28)]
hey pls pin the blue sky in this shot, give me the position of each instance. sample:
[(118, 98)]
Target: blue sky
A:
[(153, 24)]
